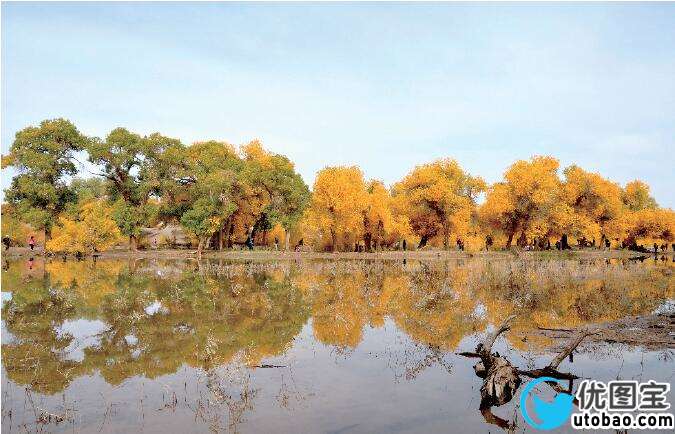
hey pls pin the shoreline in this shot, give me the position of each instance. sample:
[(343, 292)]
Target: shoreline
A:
[(20, 252)]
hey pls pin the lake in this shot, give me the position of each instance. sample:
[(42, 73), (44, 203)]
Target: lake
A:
[(343, 346)]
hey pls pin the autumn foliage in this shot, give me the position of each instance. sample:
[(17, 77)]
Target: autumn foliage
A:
[(93, 231), (225, 196)]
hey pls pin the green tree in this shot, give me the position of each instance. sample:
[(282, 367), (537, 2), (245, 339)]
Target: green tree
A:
[(136, 170), (210, 184), (44, 159), (87, 189), (286, 196)]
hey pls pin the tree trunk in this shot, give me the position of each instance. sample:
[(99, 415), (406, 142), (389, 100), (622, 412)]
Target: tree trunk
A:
[(220, 238), (230, 232), (522, 239), (512, 232), (368, 241), (288, 240), (333, 237), (252, 233), (564, 245), (200, 247), (132, 243), (446, 237), (423, 241)]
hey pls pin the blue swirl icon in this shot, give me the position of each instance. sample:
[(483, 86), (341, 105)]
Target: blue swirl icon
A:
[(552, 414)]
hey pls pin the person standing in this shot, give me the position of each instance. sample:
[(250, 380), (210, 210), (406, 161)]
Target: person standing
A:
[(31, 242)]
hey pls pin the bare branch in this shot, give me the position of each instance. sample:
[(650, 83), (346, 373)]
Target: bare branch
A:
[(568, 350), (491, 338)]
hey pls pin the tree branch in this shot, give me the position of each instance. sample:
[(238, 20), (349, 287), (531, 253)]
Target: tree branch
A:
[(486, 349), (568, 350)]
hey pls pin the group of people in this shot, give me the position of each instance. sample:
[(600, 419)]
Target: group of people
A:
[(7, 242)]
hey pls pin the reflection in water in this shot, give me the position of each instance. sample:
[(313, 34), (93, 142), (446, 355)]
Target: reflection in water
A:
[(130, 322)]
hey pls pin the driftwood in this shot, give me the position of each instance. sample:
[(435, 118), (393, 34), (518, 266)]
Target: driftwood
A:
[(501, 379)]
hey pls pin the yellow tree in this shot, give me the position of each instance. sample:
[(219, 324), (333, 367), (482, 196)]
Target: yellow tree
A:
[(93, 231), (377, 217), (651, 226), (643, 220), (595, 201), (438, 198), (524, 201), (338, 202), (636, 196)]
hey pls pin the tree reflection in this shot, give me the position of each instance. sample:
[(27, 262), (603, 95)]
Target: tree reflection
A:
[(161, 315)]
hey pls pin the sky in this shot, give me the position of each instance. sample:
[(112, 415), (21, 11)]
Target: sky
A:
[(383, 86)]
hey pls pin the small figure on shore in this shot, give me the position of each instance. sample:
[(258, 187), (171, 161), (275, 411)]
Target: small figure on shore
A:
[(405, 245), (31, 242), (276, 243), (249, 243), (488, 242)]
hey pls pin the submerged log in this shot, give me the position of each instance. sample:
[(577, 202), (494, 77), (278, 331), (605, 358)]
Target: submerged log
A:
[(501, 379), (500, 384)]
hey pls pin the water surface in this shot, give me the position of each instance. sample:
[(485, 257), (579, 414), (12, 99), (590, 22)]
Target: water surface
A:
[(300, 346)]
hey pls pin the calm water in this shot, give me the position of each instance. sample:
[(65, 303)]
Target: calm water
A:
[(311, 346)]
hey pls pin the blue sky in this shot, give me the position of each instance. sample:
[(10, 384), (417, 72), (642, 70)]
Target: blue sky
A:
[(384, 86)]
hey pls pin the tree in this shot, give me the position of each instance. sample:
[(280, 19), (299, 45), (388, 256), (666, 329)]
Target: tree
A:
[(282, 193), (44, 158), (12, 228), (594, 202), (650, 226), (93, 231), (202, 220), (136, 169), (524, 200), (211, 178), (377, 217), (88, 189), (338, 201), (439, 198), (636, 196)]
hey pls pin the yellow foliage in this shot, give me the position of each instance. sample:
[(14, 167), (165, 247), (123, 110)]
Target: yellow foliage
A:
[(16, 230), (526, 201), (652, 225), (636, 196), (95, 230), (337, 206), (254, 151), (438, 199), (595, 202)]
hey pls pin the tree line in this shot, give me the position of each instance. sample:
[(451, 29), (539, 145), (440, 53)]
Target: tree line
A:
[(223, 196)]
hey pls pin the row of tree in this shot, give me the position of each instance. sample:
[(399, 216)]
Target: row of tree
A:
[(223, 195)]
